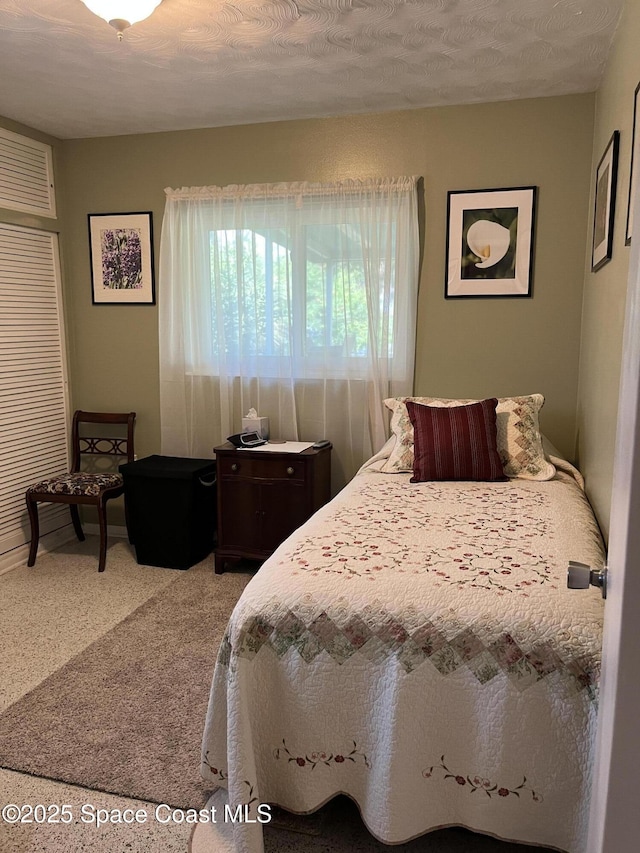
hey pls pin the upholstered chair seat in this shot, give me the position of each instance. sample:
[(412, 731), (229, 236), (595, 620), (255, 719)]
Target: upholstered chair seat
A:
[(78, 484)]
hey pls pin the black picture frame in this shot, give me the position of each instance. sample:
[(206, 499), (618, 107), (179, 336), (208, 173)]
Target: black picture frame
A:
[(604, 206), (634, 167), (121, 256), (490, 243)]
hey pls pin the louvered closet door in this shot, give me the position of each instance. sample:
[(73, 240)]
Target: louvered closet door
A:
[(26, 175), (33, 398)]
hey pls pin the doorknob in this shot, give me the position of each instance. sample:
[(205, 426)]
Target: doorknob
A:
[(581, 576)]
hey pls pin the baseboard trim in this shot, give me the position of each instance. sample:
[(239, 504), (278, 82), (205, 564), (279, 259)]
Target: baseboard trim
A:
[(48, 542)]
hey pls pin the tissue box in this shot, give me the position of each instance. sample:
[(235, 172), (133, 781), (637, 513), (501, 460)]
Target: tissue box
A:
[(259, 425)]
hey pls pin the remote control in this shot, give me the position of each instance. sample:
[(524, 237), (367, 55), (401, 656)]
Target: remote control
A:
[(320, 444)]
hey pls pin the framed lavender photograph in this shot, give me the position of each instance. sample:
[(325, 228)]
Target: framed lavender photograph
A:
[(121, 251)]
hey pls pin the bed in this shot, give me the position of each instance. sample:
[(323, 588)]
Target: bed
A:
[(414, 646)]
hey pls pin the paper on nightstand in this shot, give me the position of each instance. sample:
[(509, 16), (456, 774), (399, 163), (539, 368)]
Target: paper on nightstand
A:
[(284, 447)]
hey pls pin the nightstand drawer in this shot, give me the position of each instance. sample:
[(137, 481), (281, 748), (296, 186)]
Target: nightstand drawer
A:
[(267, 468)]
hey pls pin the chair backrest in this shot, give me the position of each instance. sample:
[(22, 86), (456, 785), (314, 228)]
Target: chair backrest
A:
[(98, 445)]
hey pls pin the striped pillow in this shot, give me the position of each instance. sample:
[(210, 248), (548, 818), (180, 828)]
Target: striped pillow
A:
[(456, 443)]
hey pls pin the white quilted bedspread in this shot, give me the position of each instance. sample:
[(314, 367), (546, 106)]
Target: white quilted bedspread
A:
[(414, 646)]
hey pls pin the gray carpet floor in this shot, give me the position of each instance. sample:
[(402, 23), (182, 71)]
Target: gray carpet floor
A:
[(125, 716)]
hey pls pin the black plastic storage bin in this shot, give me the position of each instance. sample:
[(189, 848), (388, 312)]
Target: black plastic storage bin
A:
[(171, 509)]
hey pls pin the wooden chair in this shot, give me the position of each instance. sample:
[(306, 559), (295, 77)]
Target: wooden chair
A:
[(82, 487)]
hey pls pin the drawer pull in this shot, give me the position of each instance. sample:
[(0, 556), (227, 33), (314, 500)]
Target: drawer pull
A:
[(235, 466), (291, 470)]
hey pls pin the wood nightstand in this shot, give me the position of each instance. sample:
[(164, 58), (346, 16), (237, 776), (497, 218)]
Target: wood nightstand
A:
[(263, 496)]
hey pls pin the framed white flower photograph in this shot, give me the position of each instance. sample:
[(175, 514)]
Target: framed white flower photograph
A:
[(490, 241)]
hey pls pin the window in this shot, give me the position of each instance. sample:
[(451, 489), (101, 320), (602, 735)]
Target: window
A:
[(303, 295), (271, 289)]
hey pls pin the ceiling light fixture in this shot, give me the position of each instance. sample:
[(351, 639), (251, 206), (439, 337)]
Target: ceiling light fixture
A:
[(122, 13)]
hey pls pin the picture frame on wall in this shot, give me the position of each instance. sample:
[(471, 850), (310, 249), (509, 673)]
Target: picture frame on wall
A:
[(635, 165), (605, 204), (490, 242), (121, 253)]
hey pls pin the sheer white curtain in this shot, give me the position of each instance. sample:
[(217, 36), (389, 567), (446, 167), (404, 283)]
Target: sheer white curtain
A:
[(298, 300)]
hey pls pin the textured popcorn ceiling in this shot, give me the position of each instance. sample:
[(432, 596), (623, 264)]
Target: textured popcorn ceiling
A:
[(204, 63)]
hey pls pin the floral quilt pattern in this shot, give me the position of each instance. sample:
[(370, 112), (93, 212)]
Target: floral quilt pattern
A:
[(281, 630), (409, 621), (482, 537), (496, 540)]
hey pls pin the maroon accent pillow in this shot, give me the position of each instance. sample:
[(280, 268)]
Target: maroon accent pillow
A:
[(455, 443)]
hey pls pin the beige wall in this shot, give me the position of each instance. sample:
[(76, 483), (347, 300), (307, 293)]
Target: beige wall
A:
[(465, 347), (605, 290)]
